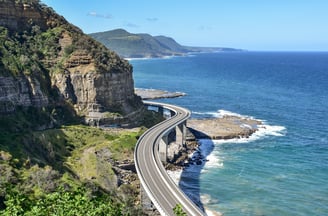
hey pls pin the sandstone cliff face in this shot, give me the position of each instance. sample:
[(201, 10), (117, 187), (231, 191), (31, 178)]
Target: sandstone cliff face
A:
[(20, 91), (92, 88), (82, 71), (16, 16), (90, 91)]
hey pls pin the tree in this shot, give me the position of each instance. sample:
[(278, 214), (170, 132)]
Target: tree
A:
[(178, 210), (61, 203)]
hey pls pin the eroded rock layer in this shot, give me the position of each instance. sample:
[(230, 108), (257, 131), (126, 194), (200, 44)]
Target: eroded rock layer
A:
[(44, 60)]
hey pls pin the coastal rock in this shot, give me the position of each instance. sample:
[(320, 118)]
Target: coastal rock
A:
[(91, 91), (227, 127), (151, 94)]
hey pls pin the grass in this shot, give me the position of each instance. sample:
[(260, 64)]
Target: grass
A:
[(124, 145), (56, 145), (73, 149)]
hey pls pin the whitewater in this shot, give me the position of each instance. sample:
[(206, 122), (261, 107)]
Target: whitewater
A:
[(282, 169)]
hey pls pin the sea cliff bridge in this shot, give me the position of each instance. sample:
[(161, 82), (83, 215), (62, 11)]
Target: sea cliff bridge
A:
[(151, 153)]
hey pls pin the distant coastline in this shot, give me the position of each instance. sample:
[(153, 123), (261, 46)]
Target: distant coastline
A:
[(144, 46)]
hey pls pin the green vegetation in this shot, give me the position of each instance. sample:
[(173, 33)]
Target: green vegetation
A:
[(62, 203), (35, 51), (50, 164), (34, 162), (178, 210), (138, 45), (27, 1), (131, 45), (74, 158), (21, 52), (124, 145)]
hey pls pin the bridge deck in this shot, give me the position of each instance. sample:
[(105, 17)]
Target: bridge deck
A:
[(160, 188)]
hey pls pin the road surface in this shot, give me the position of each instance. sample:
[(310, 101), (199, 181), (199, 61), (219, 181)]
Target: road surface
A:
[(160, 188)]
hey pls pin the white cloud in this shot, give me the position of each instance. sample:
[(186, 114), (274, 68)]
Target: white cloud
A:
[(95, 14)]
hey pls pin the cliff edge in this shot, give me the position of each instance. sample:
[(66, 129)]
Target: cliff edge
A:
[(47, 62)]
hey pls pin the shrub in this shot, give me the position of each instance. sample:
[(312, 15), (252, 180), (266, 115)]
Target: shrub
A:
[(61, 203)]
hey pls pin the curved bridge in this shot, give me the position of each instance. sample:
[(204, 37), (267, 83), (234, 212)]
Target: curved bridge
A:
[(160, 188)]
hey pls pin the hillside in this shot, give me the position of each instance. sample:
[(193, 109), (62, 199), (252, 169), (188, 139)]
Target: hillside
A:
[(45, 61), (131, 45), (138, 45), (53, 80)]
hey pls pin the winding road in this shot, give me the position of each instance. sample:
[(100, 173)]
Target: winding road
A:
[(160, 188)]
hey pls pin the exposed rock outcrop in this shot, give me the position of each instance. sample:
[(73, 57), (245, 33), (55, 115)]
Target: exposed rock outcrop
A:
[(227, 127), (152, 94), (91, 91), (16, 16), (44, 61), (20, 91)]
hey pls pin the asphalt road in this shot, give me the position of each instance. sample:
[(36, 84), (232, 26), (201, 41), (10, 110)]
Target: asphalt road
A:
[(160, 188)]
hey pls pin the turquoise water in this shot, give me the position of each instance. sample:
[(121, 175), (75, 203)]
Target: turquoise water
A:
[(283, 169)]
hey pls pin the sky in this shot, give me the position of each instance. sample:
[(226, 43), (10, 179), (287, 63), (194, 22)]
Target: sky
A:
[(258, 25)]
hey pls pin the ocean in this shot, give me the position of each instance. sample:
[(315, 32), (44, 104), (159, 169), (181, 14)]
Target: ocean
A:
[(280, 170)]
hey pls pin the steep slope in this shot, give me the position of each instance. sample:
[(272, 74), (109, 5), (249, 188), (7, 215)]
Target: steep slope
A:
[(171, 44), (131, 45), (46, 61), (138, 45), (51, 77)]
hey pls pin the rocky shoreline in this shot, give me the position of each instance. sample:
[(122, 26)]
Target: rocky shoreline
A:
[(180, 158), (224, 128), (192, 155), (227, 127), (151, 94)]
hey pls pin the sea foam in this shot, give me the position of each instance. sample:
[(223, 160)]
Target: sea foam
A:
[(264, 129), (212, 157), (206, 146)]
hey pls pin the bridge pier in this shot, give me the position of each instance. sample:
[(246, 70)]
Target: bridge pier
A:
[(161, 110), (162, 148), (180, 140), (180, 133), (164, 193)]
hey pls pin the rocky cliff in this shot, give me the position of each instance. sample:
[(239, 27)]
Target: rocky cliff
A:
[(16, 16), (45, 61), (20, 91)]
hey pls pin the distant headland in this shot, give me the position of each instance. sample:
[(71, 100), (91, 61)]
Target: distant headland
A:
[(130, 45)]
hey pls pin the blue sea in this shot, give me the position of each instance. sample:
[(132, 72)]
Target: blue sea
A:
[(283, 168)]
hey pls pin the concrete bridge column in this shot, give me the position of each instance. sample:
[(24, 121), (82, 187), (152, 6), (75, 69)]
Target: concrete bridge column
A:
[(161, 110), (163, 148), (181, 131)]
